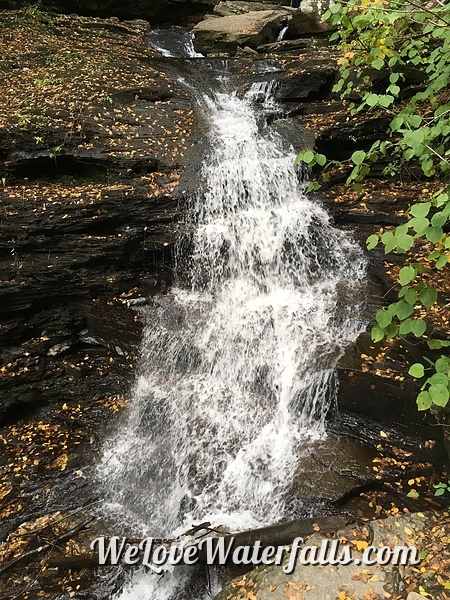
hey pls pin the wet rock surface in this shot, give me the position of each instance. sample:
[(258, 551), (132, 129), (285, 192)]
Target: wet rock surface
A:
[(91, 161), (157, 11), (251, 29)]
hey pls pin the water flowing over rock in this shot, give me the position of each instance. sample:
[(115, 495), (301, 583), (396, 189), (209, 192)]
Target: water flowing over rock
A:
[(239, 360)]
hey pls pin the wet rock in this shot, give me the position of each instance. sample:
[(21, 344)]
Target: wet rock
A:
[(307, 78), (289, 46), (296, 137), (226, 34), (89, 210), (156, 11)]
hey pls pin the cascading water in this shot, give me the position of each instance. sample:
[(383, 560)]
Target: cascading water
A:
[(238, 362)]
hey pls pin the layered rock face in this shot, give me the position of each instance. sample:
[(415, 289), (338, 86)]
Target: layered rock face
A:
[(93, 135)]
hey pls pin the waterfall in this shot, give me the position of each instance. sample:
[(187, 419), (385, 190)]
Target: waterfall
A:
[(238, 360)]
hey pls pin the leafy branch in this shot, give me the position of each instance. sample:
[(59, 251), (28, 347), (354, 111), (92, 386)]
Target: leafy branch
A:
[(396, 62)]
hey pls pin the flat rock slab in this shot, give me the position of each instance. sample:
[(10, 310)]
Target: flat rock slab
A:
[(252, 29), (336, 582)]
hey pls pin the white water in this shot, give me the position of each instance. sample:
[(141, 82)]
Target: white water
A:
[(181, 42), (238, 366)]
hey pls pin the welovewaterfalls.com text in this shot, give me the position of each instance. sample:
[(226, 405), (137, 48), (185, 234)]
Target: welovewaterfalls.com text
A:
[(154, 555)]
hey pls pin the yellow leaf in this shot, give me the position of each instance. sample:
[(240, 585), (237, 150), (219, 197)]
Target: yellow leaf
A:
[(361, 545)]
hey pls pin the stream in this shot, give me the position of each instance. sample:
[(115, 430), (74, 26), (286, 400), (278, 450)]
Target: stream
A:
[(237, 373)]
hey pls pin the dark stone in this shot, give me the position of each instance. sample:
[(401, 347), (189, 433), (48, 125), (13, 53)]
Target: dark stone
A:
[(155, 11)]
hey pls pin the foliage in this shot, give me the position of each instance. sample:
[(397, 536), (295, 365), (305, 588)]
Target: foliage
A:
[(33, 15), (441, 488), (396, 62)]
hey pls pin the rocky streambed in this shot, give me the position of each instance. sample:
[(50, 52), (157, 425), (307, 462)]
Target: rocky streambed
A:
[(101, 145)]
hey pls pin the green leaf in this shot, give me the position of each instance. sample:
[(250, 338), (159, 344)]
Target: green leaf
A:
[(438, 378), (439, 492), (421, 209), (441, 198), (405, 327), (442, 261), (389, 241), (439, 219), (394, 89), (308, 156), (411, 296), (377, 334), (404, 241), (419, 224), (403, 309), (424, 401), (414, 139), (416, 370), (313, 186), (406, 275), (383, 317), (414, 120), (418, 327), (439, 394), (438, 344), (385, 100), (434, 234), (442, 365), (391, 331), (372, 99), (358, 157), (372, 241), (321, 159), (428, 296)]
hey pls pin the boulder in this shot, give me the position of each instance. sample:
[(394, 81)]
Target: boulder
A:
[(226, 34)]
